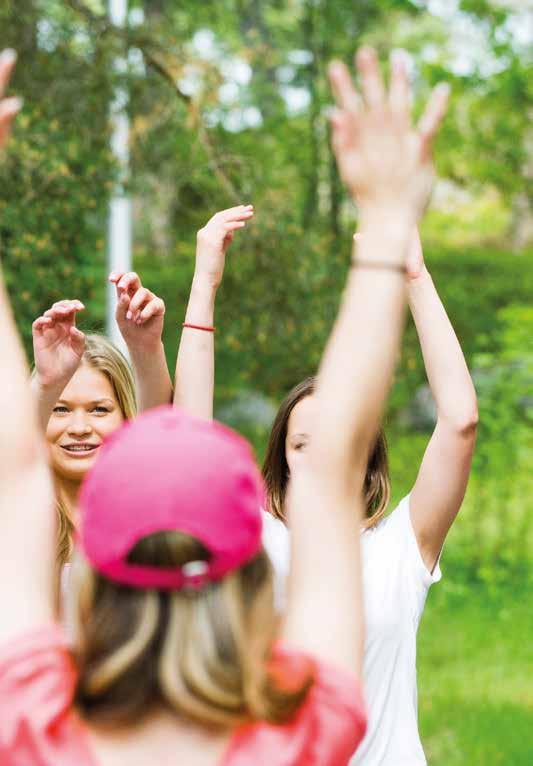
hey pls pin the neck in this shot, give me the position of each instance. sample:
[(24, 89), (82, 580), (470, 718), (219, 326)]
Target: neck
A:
[(67, 491)]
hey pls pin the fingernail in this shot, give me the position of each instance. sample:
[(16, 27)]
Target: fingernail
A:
[(8, 56), (129, 315), (14, 104)]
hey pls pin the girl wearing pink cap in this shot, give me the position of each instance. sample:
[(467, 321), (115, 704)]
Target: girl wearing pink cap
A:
[(178, 656)]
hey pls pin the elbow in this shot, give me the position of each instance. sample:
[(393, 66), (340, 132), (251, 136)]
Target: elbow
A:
[(469, 422), (464, 424)]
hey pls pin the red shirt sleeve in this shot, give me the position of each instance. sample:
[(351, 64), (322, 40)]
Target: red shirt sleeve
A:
[(326, 730), (37, 724)]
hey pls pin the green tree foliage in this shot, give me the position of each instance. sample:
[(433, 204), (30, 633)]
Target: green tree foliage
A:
[(56, 177), (228, 103)]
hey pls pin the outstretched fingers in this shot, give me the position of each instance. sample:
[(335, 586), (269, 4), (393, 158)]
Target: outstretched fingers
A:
[(9, 107), (344, 92), (432, 117), (399, 92), (370, 77), (8, 59), (343, 129)]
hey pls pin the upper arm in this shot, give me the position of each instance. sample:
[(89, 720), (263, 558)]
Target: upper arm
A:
[(440, 487), (324, 613), (27, 550)]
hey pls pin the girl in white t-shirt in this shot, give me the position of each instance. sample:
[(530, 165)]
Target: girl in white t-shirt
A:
[(401, 551)]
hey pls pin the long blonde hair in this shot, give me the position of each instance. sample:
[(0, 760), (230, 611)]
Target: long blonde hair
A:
[(101, 355), (203, 654)]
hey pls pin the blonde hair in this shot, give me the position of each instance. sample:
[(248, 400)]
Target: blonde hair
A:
[(376, 486), (101, 355), (204, 654)]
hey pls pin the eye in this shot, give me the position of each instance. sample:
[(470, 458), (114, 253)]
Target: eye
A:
[(300, 446), (100, 410), (60, 409)]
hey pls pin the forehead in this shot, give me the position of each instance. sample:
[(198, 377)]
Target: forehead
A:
[(87, 385), (301, 416)]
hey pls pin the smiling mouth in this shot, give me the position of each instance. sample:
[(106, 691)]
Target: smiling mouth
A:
[(79, 449)]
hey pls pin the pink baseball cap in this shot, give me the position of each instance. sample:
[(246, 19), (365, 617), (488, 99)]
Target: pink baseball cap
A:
[(167, 470)]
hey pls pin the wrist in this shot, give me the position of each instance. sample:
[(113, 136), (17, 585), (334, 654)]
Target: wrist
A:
[(201, 306), (384, 230), (49, 388), (146, 351), (419, 277), (204, 285)]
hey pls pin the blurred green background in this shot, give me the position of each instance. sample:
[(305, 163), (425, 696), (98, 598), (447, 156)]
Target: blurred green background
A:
[(228, 104)]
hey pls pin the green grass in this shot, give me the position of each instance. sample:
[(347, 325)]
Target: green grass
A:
[(475, 671)]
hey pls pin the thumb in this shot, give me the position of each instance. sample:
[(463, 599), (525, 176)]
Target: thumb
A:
[(77, 338)]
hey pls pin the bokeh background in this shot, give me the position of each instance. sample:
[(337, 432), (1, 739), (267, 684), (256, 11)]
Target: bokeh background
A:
[(228, 103)]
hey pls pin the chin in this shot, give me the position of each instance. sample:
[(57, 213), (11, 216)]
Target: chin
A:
[(73, 469)]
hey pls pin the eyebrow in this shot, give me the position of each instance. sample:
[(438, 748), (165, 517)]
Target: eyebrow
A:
[(105, 400), (300, 436)]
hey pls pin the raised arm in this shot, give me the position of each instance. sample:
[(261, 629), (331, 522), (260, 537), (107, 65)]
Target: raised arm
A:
[(140, 316), (441, 482), (58, 347), (387, 166), (195, 367), (27, 537)]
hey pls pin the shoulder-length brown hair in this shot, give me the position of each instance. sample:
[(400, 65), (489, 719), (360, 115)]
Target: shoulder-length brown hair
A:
[(276, 470)]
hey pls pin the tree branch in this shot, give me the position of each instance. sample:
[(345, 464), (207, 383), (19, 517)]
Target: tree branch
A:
[(103, 26)]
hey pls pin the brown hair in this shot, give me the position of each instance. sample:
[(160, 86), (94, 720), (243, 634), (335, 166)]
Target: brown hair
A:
[(204, 654), (101, 355), (276, 470)]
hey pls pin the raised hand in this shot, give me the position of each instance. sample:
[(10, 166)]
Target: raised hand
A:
[(382, 159), (140, 314), (8, 106), (58, 345), (214, 239)]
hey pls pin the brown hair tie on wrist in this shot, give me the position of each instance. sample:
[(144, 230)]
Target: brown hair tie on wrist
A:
[(381, 265)]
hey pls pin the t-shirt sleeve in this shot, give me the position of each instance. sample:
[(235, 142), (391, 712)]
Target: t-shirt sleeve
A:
[(325, 731), (399, 528), (37, 681)]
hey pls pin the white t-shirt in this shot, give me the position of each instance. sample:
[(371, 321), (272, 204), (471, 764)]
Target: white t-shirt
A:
[(396, 582), (277, 544)]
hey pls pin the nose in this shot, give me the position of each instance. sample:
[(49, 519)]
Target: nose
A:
[(79, 424)]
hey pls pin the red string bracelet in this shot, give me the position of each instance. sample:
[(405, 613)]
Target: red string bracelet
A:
[(199, 327)]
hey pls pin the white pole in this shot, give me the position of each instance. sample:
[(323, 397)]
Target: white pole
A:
[(119, 226)]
